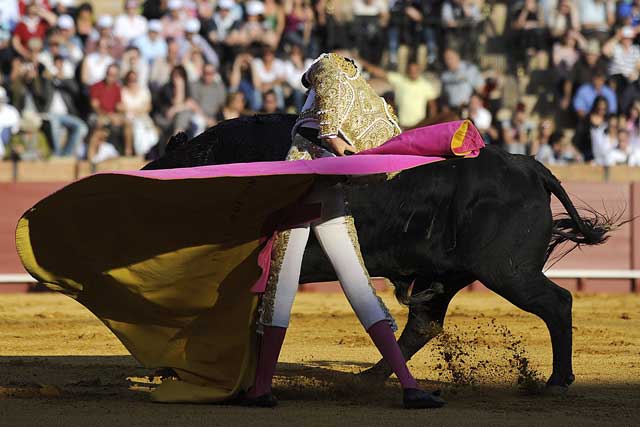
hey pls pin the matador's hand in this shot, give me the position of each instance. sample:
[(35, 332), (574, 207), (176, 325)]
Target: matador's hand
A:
[(339, 146)]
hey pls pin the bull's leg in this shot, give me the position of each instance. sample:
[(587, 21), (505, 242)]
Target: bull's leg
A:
[(425, 321), (535, 293)]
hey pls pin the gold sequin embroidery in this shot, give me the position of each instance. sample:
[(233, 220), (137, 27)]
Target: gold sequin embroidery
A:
[(277, 257), (345, 103)]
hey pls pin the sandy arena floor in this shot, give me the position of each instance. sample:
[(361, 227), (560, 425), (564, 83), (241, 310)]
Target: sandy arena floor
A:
[(61, 366)]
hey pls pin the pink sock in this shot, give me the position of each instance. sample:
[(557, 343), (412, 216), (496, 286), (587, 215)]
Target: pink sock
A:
[(270, 345), (384, 339)]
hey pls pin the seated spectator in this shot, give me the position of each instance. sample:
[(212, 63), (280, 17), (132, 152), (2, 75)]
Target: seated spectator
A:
[(516, 132), (415, 95), (460, 79), (104, 28), (176, 107), (84, 22), (589, 63), (411, 23), (557, 150), (252, 31), (9, 122), (604, 140), (565, 53), (132, 61), (61, 111), (174, 21), (629, 12), (625, 58), (53, 52), (274, 17), (34, 24), (234, 107), (268, 75), (481, 118), (94, 66), (225, 20), (194, 63), (10, 15), (564, 18), (136, 106), (542, 142), (588, 92), (151, 45), (460, 19), (106, 102), (209, 94), (530, 31), (299, 21), (595, 121), (162, 66), (597, 17), (71, 48), (26, 84), (130, 25), (370, 17), (194, 41), (6, 52), (270, 103), (294, 67), (30, 143)]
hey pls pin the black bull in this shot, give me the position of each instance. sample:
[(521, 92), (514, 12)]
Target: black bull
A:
[(440, 226)]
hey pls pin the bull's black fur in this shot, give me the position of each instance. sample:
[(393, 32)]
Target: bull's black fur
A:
[(439, 227)]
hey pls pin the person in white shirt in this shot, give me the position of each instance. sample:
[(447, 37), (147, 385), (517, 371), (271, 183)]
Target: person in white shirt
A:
[(131, 24), (9, 121), (268, 73), (480, 116), (604, 141), (94, 67), (152, 45), (294, 68)]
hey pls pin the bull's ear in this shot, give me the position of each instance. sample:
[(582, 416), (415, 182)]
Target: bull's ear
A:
[(176, 140)]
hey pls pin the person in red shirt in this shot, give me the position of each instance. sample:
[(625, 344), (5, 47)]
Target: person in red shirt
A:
[(34, 24), (106, 102)]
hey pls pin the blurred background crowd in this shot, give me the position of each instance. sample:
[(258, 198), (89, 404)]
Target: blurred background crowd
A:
[(555, 79)]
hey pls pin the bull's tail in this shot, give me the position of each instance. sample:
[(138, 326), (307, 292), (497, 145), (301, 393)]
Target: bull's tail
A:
[(581, 230)]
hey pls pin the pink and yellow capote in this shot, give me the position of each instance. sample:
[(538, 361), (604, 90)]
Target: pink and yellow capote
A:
[(173, 261)]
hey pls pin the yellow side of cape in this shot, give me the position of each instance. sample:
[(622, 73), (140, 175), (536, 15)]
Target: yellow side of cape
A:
[(166, 265)]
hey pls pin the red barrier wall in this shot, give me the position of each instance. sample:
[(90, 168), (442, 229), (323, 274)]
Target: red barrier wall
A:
[(622, 251)]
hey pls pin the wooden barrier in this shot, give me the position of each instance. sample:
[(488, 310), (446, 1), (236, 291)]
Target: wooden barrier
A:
[(621, 253)]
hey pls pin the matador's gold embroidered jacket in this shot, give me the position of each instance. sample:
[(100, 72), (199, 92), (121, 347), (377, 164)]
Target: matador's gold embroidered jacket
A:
[(346, 105)]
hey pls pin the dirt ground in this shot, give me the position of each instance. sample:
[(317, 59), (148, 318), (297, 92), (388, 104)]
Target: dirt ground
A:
[(60, 366)]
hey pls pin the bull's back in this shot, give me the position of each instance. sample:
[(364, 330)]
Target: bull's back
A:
[(258, 138)]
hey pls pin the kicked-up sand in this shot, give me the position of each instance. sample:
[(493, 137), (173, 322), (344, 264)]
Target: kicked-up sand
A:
[(60, 366)]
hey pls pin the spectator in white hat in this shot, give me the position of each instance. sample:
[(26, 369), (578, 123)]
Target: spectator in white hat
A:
[(104, 27), (131, 24), (152, 45), (9, 122), (174, 21), (625, 57), (194, 41), (226, 19), (70, 45), (252, 30)]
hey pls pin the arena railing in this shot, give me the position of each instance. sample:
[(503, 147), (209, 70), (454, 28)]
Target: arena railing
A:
[(579, 274)]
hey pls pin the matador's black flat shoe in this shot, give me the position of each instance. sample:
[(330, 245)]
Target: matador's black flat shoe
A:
[(413, 398), (267, 400)]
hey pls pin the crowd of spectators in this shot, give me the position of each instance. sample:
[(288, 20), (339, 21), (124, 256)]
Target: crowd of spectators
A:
[(96, 86)]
